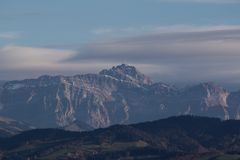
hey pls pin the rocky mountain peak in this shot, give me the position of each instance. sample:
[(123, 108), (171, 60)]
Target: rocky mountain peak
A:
[(127, 73)]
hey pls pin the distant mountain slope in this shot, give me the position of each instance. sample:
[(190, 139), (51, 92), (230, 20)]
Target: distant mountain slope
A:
[(1, 88), (9, 127), (2, 82), (184, 137), (78, 126), (120, 95)]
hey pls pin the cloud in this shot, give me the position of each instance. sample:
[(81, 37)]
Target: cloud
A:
[(21, 57), (9, 35), (122, 31), (20, 62), (136, 31), (177, 54)]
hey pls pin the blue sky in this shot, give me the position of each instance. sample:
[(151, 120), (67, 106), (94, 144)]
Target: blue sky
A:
[(68, 22), (78, 32)]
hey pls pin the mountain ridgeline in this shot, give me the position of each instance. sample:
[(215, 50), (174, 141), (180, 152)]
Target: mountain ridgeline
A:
[(174, 138), (120, 95)]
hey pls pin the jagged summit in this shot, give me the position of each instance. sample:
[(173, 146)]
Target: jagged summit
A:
[(127, 73)]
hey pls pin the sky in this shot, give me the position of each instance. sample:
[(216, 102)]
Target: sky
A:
[(175, 41)]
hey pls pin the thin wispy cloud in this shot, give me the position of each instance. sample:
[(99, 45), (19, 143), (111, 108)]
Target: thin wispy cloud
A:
[(135, 31), (20, 62), (22, 57), (9, 35), (116, 32)]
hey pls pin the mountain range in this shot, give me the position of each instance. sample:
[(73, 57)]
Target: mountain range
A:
[(120, 95), (174, 138)]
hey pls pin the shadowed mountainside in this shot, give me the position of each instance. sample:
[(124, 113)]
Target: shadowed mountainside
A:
[(9, 127), (184, 137)]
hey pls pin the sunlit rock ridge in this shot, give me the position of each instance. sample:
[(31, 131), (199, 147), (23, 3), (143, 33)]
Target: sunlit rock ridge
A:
[(120, 95)]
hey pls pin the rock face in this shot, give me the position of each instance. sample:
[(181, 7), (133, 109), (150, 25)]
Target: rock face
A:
[(119, 95), (206, 99)]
